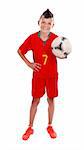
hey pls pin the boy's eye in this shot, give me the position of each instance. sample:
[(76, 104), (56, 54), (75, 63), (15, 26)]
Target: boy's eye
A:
[(43, 22)]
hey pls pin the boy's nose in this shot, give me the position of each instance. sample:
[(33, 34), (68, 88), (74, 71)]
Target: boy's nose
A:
[(46, 26)]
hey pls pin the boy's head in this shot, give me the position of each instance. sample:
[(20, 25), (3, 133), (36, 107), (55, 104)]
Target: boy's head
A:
[(46, 21)]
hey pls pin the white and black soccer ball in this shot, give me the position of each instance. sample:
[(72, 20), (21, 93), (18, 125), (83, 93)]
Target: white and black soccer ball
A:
[(61, 47)]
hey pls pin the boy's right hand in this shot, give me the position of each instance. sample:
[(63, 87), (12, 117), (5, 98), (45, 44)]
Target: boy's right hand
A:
[(35, 66)]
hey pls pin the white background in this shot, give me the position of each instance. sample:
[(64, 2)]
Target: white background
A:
[(18, 19)]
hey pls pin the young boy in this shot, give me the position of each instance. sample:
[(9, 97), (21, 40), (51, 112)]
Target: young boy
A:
[(44, 67)]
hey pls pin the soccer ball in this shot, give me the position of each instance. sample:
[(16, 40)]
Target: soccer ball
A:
[(61, 47)]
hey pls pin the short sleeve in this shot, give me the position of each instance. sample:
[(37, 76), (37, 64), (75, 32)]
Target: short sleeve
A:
[(26, 46)]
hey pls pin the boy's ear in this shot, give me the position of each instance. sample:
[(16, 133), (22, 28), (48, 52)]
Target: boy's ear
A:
[(53, 25), (38, 22)]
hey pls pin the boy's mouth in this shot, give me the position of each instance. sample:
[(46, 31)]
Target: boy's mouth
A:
[(44, 29)]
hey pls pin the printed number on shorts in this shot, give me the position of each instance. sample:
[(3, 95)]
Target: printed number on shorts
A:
[(45, 58)]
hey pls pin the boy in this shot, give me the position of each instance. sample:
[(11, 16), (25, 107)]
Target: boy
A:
[(44, 67)]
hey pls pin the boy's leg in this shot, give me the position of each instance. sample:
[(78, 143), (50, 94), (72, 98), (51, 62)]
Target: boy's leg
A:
[(50, 110), (33, 110), (52, 91), (50, 129)]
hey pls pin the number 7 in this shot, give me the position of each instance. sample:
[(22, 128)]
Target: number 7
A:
[(45, 58)]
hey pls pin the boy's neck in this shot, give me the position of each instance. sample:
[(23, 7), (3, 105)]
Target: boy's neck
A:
[(44, 34)]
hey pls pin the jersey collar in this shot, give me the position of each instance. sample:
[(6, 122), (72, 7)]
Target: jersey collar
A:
[(41, 39)]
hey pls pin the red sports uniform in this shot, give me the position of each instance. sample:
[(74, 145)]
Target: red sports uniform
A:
[(47, 77)]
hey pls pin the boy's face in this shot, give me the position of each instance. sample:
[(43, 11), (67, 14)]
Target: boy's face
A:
[(46, 24)]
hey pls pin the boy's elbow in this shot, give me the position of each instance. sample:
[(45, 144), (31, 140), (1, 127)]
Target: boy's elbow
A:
[(18, 51)]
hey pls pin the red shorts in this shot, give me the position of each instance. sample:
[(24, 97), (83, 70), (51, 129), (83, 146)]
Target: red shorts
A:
[(40, 85)]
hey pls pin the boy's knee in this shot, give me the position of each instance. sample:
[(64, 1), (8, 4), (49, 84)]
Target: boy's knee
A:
[(50, 101), (36, 101)]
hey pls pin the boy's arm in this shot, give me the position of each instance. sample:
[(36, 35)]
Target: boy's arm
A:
[(34, 66), (24, 58)]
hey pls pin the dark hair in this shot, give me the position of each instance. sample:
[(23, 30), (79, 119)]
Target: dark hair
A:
[(47, 14)]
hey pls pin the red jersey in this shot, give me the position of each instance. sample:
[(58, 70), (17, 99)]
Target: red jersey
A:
[(42, 53)]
